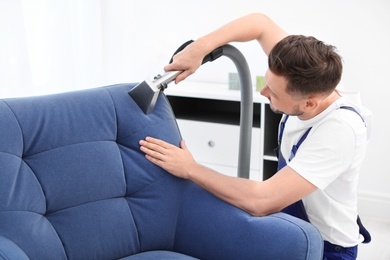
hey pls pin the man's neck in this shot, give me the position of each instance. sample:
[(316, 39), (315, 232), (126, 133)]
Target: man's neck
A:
[(323, 104)]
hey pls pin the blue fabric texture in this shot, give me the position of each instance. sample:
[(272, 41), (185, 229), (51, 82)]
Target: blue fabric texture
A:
[(74, 185), (160, 255), (9, 250), (278, 235)]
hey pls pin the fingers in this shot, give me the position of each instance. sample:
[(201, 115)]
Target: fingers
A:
[(152, 155), (187, 61), (159, 152), (177, 66), (183, 145), (154, 160), (182, 76), (150, 147), (171, 158), (155, 147), (169, 67), (158, 142)]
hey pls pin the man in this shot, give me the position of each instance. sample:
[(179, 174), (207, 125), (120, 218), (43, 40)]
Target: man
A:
[(322, 137)]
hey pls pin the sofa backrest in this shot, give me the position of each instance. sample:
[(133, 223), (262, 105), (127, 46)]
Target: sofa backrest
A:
[(73, 183)]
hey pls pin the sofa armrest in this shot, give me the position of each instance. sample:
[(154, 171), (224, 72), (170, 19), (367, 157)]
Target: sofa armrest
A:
[(10, 250), (209, 228)]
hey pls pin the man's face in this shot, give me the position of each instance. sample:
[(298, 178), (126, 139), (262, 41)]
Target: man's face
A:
[(280, 101)]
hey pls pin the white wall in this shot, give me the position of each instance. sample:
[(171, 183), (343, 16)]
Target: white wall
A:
[(128, 40)]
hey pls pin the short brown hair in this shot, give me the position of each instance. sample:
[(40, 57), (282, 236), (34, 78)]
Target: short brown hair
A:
[(308, 65)]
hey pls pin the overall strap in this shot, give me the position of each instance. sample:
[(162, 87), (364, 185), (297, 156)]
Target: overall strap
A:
[(281, 129), (362, 230), (303, 137), (297, 209), (294, 148), (354, 110)]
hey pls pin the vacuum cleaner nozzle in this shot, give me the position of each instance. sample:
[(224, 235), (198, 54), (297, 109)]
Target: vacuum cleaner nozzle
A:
[(146, 93), (144, 96)]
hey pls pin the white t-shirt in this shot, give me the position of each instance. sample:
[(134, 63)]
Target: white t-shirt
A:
[(330, 158)]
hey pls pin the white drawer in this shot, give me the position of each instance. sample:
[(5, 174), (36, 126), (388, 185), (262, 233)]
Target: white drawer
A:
[(217, 144)]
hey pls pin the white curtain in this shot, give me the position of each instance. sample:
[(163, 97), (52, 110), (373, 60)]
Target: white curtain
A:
[(50, 46)]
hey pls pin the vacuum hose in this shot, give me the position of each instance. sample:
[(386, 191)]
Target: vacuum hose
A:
[(246, 109)]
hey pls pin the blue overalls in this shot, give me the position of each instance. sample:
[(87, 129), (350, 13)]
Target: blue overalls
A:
[(297, 209)]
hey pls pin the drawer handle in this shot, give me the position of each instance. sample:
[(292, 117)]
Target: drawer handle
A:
[(211, 143)]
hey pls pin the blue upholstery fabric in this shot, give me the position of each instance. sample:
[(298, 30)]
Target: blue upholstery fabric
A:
[(9, 250), (160, 255), (74, 185), (276, 236)]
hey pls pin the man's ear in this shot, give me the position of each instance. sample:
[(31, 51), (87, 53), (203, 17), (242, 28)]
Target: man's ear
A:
[(311, 103)]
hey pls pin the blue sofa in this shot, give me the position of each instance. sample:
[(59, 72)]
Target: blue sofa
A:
[(74, 185)]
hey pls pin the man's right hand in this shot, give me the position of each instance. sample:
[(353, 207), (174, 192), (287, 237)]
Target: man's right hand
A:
[(187, 61)]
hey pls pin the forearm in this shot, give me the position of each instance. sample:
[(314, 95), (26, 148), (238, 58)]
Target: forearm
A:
[(247, 28), (258, 198), (248, 195)]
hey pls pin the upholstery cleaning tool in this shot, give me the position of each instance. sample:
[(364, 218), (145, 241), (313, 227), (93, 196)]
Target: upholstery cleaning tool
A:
[(146, 93)]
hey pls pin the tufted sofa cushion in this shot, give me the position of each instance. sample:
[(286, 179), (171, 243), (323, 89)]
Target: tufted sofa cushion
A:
[(73, 182), (74, 185)]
